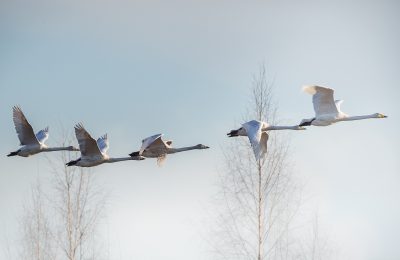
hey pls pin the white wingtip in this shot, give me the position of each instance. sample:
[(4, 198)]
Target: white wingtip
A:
[(309, 89), (79, 126)]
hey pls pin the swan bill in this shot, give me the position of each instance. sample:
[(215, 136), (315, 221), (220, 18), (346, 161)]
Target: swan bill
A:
[(306, 122), (13, 153), (134, 154), (73, 162), (381, 115), (233, 133)]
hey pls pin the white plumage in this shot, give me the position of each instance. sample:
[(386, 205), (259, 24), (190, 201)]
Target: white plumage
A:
[(155, 147), (43, 135), (31, 143), (256, 131), (103, 144), (258, 138), (327, 109), (93, 152)]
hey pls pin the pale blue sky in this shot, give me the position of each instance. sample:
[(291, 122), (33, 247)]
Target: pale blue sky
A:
[(183, 68)]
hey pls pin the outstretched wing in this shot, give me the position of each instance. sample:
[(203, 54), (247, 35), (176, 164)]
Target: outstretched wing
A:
[(152, 142), (323, 101), (338, 104), (87, 144), (161, 159), (254, 132), (264, 143), (24, 129), (103, 144), (43, 135)]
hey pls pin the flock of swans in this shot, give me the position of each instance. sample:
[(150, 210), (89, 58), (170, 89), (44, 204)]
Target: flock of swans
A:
[(327, 112), (94, 152)]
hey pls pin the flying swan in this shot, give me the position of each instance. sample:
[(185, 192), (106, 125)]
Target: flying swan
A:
[(93, 152), (31, 143), (327, 110), (256, 131), (155, 147)]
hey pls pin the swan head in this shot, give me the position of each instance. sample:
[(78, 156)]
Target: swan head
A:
[(299, 127), (134, 154), (202, 146), (379, 115), (306, 122), (233, 133)]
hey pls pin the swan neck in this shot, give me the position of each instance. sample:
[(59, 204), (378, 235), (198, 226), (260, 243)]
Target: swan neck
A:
[(51, 149), (273, 127), (182, 149), (351, 118), (112, 160)]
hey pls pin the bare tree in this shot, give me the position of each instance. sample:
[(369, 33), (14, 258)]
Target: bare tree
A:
[(61, 223), (256, 196), (78, 205), (35, 228), (315, 244)]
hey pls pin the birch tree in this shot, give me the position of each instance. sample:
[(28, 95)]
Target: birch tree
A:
[(60, 222), (256, 197)]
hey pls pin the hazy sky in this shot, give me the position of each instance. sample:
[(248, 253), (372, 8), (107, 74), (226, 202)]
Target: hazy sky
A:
[(183, 68)]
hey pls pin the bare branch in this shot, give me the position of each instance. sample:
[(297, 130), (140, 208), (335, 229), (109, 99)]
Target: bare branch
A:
[(61, 223)]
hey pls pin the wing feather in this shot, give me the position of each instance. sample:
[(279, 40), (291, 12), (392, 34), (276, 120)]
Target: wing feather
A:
[(338, 104), (103, 144), (43, 135), (264, 143), (152, 142), (323, 101), (24, 129), (254, 132), (87, 145), (161, 159)]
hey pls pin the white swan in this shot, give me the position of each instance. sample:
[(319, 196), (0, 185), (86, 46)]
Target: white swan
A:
[(256, 131), (327, 110), (155, 147), (31, 143), (94, 153)]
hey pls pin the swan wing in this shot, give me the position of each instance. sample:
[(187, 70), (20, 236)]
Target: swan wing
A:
[(42, 135), (338, 104), (264, 143), (152, 142), (24, 129), (87, 144), (161, 159), (103, 144), (253, 130), (322, 100)]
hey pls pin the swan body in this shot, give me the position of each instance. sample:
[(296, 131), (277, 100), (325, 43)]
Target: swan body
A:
[(155, 147), (31, 143), (256, 131), (94, 152), (327, 110)]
